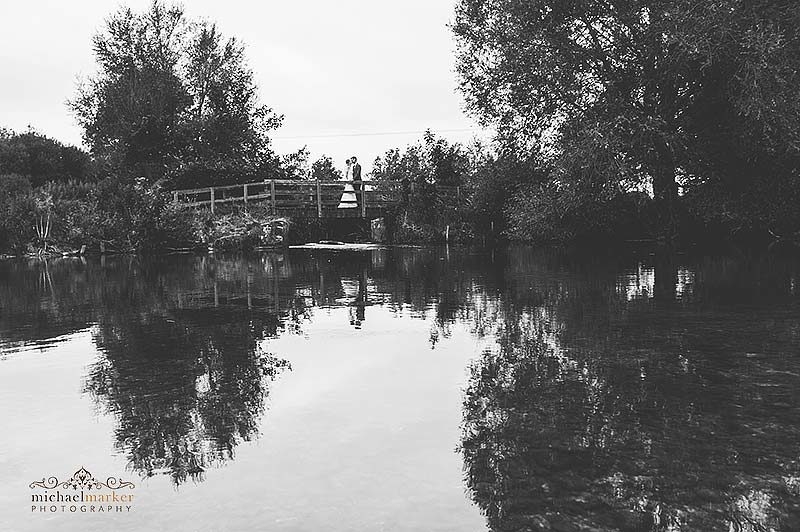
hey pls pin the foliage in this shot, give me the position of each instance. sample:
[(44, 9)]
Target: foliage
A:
[(650, 95), (546, 213), (430, 174), (493, 181), (16, 213), (294, 165), (323, 170), (41, 159), (173, 99), (133, 215), (114, 213)]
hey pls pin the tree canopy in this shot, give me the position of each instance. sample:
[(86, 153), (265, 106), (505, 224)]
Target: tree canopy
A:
[(323, 169), (41, 159), (627, 95), (173, 98)]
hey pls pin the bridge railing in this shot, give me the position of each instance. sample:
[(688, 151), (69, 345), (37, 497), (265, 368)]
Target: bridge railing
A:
[(291, 196)]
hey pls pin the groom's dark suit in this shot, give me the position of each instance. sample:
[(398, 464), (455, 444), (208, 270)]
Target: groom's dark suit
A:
[(357, 186)]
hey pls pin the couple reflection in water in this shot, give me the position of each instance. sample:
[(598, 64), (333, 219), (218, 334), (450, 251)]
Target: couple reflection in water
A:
[(357, 307)]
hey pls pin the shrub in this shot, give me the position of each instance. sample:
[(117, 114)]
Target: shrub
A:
[(118, 213), (16, 213), (547, 213)]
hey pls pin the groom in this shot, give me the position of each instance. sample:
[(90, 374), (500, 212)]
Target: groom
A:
[(357, 178)]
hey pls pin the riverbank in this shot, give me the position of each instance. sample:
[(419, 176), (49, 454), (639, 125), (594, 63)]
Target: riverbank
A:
[(117, 216)]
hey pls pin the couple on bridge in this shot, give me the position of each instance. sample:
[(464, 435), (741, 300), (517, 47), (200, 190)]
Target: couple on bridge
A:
[(352, 195)]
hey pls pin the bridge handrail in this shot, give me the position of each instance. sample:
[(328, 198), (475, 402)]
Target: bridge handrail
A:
[(276, 192), (290, 182)]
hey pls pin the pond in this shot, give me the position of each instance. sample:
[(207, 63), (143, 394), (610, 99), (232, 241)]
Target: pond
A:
[(403, 389)]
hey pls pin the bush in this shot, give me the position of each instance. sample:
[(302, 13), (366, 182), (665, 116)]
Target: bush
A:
[(547, 213), (16, 213), (117, 213), (132, 215), (41, 159), (763, 206)]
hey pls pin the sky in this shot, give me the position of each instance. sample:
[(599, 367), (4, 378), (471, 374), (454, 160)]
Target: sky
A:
[(351, 77)]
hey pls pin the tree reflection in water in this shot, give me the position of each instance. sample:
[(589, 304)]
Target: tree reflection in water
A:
[(182, 367), (604, 407), (185, 389)]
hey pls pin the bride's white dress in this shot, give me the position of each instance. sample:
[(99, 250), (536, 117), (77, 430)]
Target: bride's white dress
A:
[(348, 200)]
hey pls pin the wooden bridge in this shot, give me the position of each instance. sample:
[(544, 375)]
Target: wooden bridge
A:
[(320, 199)]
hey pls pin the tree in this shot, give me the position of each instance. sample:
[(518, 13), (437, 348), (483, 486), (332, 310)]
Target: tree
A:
[(432, 161), (625, 95), (41, 159), (295, 165), (229, 127), (323, 170), (423, 169), (173, 98)]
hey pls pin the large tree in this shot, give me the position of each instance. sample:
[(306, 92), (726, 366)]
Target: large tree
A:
[(173, 98), (624, 94)]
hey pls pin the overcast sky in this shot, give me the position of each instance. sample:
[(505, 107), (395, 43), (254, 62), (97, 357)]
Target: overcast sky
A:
[(345, 74)]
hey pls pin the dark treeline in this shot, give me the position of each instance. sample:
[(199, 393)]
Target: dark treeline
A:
[(666, 120), (649, 119)]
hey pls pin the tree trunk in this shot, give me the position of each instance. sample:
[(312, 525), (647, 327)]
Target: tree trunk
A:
[(661, 97), (665, 190)]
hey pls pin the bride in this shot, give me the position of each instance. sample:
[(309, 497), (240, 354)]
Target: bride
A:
[(348, 200)]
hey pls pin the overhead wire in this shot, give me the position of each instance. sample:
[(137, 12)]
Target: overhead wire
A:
[(376, 133)]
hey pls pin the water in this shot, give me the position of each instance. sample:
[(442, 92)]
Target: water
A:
[(406, 389)]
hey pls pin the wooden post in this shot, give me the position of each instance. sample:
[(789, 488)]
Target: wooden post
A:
[(276, 294), (363, 200), (249, 282), (175, 196), (319, 199), (245, 194), (272, 194), (212, 199)]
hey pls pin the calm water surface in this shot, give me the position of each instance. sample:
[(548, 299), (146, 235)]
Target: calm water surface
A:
[(406, 389)]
